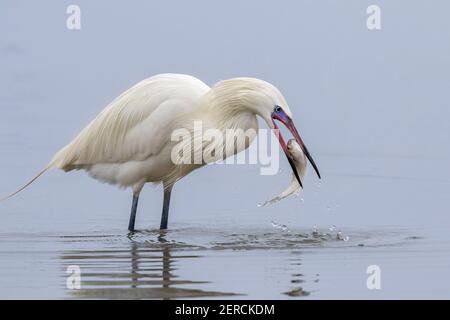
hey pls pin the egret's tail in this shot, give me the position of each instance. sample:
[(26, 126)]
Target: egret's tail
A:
[(25, 186)]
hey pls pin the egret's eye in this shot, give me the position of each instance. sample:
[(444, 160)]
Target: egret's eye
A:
[(278, 109)]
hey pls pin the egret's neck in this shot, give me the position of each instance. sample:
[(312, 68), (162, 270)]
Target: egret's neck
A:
[(227, 113), (242, 120), (236, 123)]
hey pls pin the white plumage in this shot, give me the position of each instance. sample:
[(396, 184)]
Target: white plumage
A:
[(126, 142), (129, 143)]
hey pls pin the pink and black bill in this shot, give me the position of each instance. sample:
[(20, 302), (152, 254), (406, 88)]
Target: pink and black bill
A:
[(280, 115)]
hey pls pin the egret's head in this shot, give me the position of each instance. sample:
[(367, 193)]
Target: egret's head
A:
[(265, 100)]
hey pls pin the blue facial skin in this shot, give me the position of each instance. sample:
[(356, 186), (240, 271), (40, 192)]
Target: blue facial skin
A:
[(279, 114)]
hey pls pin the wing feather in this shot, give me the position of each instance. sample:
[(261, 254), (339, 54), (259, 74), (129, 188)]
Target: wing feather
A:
[(132, 127)]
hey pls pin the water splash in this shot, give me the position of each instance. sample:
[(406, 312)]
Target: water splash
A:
[(297, 195), (341, 236), (315, 232), (282, 227)]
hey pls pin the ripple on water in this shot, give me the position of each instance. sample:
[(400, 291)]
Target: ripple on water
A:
[(278, 238), (144, 264)]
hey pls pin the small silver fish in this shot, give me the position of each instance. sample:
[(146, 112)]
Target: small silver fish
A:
[(299, 158)]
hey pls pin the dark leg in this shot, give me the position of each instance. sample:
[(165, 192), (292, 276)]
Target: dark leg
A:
[(165, 210), (133, 212)]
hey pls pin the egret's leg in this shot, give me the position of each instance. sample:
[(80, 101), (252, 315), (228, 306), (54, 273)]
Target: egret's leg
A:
[(165, 210), (133, 212)]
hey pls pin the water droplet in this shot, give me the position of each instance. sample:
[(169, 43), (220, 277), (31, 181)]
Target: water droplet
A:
[(341, 236), (282, 227), (332, 228)]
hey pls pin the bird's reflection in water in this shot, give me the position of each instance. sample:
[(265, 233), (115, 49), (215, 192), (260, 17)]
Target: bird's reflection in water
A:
[(297, 279), (142, 270)]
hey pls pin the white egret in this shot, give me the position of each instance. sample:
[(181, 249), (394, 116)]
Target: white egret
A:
[(129, 143)]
